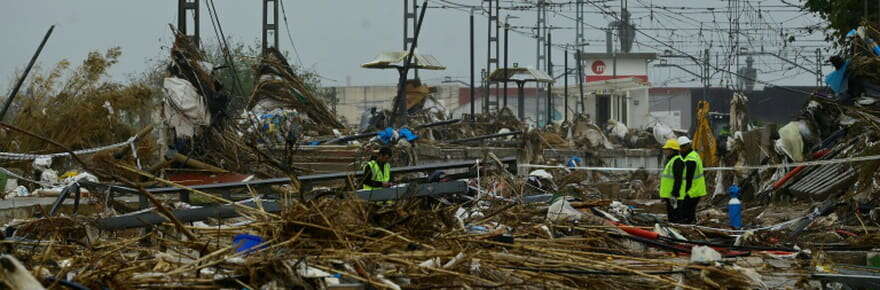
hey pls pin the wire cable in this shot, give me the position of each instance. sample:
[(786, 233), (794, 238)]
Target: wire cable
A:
[(289, 35)]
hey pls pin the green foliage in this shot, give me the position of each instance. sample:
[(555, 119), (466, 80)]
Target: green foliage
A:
[(842, 15)]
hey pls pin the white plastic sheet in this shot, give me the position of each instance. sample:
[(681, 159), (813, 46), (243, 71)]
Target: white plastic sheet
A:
[(561, 210), (704, 255), (662, 133), (185, 109)]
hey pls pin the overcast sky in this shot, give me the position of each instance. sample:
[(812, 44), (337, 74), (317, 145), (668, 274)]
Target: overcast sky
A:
[(334, 36)]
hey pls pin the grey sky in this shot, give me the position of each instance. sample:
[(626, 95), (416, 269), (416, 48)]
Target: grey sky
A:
[(335, 36)]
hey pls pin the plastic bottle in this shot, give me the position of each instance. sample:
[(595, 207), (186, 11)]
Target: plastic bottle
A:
[(734, 207)]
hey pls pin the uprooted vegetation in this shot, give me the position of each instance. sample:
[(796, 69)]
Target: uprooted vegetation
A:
[(79, 107)]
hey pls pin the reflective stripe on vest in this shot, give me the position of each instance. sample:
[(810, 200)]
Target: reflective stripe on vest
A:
[(379, 175), (667, 179), (698, 186)]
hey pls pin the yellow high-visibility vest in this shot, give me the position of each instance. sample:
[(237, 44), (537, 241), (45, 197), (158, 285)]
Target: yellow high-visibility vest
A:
[(698, 185), (379, 174), (667, 179)]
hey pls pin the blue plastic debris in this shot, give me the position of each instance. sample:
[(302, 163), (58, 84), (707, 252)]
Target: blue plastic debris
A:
[(408, 134), (837, 79), (247, 242), (478, 230), (386, 136), (574, 161), (313, 143), (851, 33)]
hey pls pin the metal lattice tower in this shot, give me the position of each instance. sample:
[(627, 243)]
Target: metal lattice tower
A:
[(541, 53), (579, 26), (184, 8), (492, 52), (410, 20), (270, 24), (540, 32), (579, 42), (733, 9)]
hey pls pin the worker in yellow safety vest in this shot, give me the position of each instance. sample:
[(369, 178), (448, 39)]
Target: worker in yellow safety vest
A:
[(377, 172), (671, 180), (694, 181)]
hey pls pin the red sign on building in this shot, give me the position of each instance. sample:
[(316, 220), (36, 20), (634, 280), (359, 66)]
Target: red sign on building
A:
[(598, 67)]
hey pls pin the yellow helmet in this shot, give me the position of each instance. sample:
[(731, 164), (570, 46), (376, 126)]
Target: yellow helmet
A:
[(671, 144)]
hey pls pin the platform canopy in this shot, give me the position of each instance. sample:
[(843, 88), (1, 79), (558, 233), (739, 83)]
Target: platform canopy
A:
[(395, 59), (521, 74)]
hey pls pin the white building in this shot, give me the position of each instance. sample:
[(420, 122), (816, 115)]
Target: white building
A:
[(617, 87)]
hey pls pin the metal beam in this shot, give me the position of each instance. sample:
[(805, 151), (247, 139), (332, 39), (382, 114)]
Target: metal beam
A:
[(478, 138), (24, 75), (229, 211), (270, 26), (183, 9), (510, 161)]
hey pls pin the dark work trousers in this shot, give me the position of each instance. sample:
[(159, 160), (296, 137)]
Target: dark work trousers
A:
[(687, 210), (671, 211)]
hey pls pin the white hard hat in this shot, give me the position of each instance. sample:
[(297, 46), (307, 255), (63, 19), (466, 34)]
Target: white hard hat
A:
[(683, 140)]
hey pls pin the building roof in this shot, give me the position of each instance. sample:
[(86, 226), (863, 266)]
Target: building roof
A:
[(644, 55), (520, 74)]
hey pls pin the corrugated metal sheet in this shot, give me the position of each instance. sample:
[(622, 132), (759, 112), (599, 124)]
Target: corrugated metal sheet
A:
[(820, 182), (395, 59)]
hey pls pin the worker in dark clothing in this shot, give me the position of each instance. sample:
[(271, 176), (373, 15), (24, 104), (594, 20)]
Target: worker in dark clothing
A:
[(671, 180), (377, 172), (694, 182)]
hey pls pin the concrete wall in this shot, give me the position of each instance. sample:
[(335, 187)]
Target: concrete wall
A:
[(639, 108), (673, 100), (634, 102), (532, 104), (355, 99)]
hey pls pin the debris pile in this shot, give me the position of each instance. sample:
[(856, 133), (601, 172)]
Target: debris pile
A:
[(274, 197)]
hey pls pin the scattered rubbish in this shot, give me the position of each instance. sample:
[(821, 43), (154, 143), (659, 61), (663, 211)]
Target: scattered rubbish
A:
[(704, 255), (246, 243), (263, 189)]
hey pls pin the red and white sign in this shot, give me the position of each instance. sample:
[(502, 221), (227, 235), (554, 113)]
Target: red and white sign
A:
[(598, 67), (620, 68)]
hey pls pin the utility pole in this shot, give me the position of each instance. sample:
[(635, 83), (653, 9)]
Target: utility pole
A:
[(565, 86), (579, 26), (705, 73), (539, 32), (733, 16), (549, 85), (473, 91), (184, 8), (580, 69), (484, 83), (492, 50), (400, 117), (24, 75), (818, 67), (410, 19), (579, 42), (497, 47), (270, 26), (540, 62), (506, 42)]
